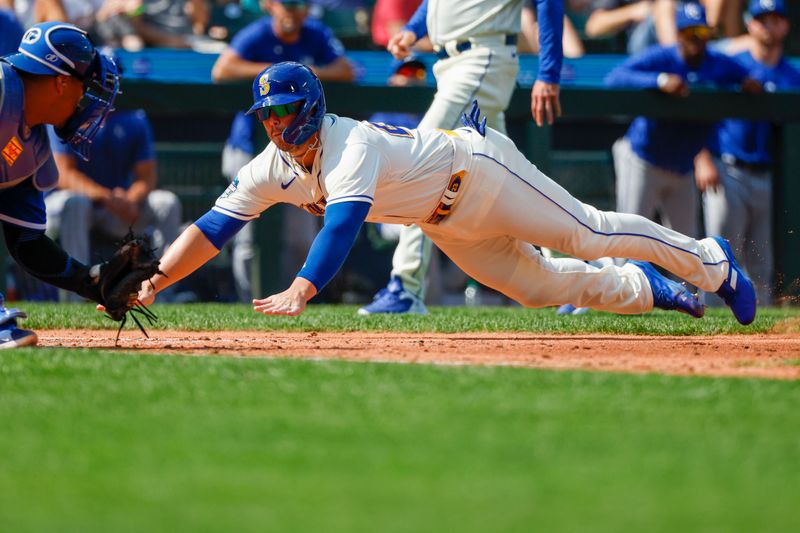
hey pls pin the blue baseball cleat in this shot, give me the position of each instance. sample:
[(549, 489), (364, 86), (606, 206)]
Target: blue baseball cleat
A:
[(10, 335), (569, 309), (668, 294), (394, 299), (737, 290)]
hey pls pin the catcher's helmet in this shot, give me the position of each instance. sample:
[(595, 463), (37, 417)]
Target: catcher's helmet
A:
[(285, 83), (58, 48)]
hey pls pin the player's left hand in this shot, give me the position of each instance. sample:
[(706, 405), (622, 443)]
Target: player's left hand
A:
[(545, 102), (288, 302)]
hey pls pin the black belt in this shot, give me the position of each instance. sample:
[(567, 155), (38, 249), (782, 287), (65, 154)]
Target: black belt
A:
[(752, 167), (463, 46)]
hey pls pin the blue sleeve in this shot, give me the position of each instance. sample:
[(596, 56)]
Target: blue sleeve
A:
[(334, 241), (417, 24), (792, 79), (639, 71), (330, 48), (550, 15), (219, 228), (731, 71), (249, 42)]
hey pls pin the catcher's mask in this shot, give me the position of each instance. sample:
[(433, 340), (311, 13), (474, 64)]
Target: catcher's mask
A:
[(53, 48), (287, 83)]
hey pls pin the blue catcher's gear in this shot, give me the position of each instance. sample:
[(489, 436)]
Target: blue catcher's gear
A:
[(58, 48), (285, 83)]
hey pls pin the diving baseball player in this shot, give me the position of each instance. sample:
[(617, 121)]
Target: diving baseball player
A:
[(476, 42), (470, 190)]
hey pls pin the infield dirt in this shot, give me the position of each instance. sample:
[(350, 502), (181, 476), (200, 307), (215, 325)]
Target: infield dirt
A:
[(775, 356)]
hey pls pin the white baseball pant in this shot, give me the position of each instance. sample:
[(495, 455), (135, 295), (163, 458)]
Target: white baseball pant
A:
[(506, 202), (486, 72)]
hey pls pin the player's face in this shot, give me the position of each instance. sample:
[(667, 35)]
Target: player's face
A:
[(770, 29), (70, 91), (692, 44), (288, 17), (275, 120)]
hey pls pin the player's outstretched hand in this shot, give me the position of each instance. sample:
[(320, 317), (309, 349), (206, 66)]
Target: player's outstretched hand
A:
[(147, 294), (545, 102), (400, 44), (284, 303)]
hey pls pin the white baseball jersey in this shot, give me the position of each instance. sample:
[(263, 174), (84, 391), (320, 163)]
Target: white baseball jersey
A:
[(449, 20), (401, 172)]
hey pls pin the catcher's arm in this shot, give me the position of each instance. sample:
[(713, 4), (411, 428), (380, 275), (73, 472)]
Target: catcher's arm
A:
[(190, 251)]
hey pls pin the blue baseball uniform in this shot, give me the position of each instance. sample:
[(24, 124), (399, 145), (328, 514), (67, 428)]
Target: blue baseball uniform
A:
[(124, 143), (125, 140), (655, 159), (672, 145), (27, 167), (740, 207)]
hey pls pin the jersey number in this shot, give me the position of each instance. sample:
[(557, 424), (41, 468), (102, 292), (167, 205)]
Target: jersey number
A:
[(397, 131)]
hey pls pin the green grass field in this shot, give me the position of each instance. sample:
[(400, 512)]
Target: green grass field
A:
[(114, 441)]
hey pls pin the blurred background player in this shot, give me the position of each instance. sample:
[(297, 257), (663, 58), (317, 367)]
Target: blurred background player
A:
[(654, 161), (112, 193), (56, 69), (476, 42), (737, 183), (287, 34), (10, 31)]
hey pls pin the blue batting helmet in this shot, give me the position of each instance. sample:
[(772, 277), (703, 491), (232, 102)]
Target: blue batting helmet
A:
[(285, 83), (58, 48)]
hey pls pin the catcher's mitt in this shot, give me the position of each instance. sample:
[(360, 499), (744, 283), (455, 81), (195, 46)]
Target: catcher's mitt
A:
[(121, 278)]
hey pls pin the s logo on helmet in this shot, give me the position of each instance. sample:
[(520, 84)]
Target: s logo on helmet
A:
[(51, 58), (263, 85), (31, 36)]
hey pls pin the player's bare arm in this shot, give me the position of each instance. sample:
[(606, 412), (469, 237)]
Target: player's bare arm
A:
[(191, 250), (340, 69), (71, 178), (604, 22), (231, 66)]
